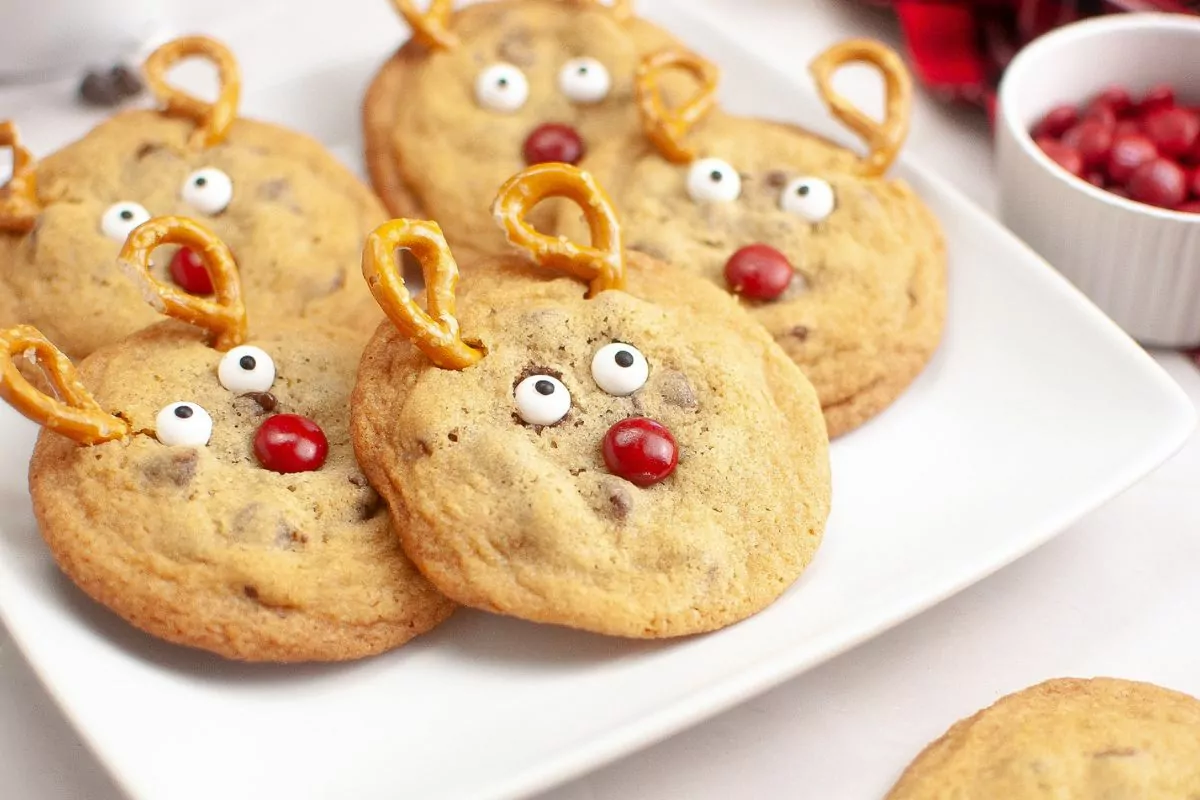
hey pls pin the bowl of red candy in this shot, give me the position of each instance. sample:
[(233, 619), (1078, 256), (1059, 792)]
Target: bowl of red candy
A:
[(1098, 159)]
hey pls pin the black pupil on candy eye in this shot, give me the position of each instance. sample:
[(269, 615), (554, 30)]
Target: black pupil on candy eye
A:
[(201, 181), (582, 70), (247, 363), (127, 215), (802, 190), (624, 358), (716, 176), (544, 387), (183, 412), (502, 83)]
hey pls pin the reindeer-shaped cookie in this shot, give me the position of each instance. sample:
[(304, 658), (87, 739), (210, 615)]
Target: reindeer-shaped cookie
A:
[(293, 216), (481, 92), (583, 436), (200, 481), (844, 267)]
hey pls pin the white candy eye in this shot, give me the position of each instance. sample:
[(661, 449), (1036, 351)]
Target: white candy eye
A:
[(501, 87), (120, 219), (542, 400), (183, 425), (246, 369), (811, 198), (207, 190), (584, 80), (711, 180), (620, 369)]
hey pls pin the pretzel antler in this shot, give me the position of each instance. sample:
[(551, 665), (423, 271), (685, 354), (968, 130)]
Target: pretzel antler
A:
[(667, 128), (432, 28), (213, 120), (225, 315), (621, 9), (603, 262), (883, 139), (74, 413), (19, 206), (434, 332)]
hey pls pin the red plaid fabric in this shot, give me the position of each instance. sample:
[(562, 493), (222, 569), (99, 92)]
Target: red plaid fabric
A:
[(959, 48)]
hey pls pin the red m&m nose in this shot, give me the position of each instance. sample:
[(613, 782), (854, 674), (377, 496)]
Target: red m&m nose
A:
[(554, 142), (640, 450), (290, 443), (759, 272), (188, 271)]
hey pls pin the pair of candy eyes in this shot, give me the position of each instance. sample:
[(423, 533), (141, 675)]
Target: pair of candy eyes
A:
[(207, 190), (618, 369), (242, 370), (711, 180), (503, 87)]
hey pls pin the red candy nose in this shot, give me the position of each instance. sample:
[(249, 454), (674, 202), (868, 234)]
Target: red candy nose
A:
[(640, 450), (290, 443), (554, 142), (188, 271), (759, 272)]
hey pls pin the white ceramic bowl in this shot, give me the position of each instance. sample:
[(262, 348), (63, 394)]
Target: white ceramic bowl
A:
[(1140, 264)]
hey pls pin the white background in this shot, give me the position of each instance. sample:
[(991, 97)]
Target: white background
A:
[(1115, 595)]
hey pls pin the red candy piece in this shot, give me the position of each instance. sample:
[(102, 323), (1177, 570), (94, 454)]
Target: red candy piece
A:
[(1173, 130), (554, 143), (1117, 98), (759, 272), (1194, 183), (1066, 157), (1093, 141), (1158, 98), (290, 443), (1101, 114), (1119, 191), (1129, 151), (1057, 121), (1190, 207), (1158, 182), (188, 271), (1125, 127), (640, 450), (1097, 179)]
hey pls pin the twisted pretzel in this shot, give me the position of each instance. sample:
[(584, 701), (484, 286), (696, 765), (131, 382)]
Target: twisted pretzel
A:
[(431, 28), (884, 139), (74, 413), (603, 262), (435, 333), (225, 315), (19, 206), (213, 120), (667, 128)]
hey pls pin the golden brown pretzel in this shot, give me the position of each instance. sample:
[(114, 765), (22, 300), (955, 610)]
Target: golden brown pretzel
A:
[(213, 120), (225, 315), (74, 413), (19, 206), (431, 28), (603, 262), (435, 332), (883, 139), (668, 128)]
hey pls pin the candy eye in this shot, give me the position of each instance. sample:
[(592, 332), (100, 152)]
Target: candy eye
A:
[(542, 400), (120, 219), (584, 80), (620, 369), (811, 198), (711, 180), (207, 190), (183, 425), (501, 87), (246, 369)]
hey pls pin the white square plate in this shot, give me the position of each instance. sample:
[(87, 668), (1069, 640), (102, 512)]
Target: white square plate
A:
[(1035, 411)]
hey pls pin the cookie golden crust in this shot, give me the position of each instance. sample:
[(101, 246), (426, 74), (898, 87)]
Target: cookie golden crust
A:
[(1066, 739), (528, 521), (866, 310), (204, 547), (432, 150), (296, 223)]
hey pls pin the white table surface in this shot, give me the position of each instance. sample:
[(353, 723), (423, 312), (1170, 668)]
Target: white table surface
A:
[(1117, 594)]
